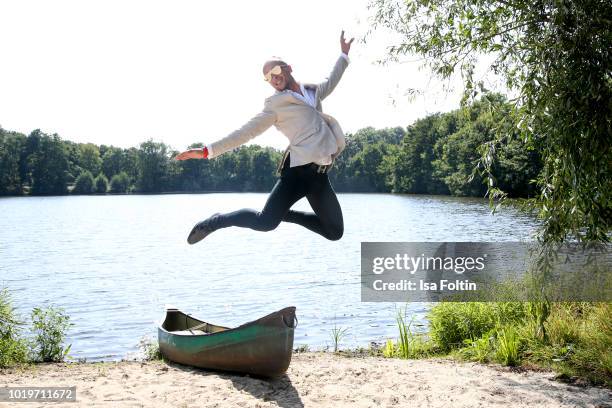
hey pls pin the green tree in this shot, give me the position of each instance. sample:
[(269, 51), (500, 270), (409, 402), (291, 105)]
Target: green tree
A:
[(101, 184), (365, 170), (89, 158), (556, 55), (244, 169), (196, 174), (223, 169), (11, 145), (264, 162), (47, 164), (73, 156), (112, 161), (459, 157), (32, 145), (102, 149), (84, 184), (131, 165), (345, 167), (120, 183), (153, 165), (517, 168), (411, 171)]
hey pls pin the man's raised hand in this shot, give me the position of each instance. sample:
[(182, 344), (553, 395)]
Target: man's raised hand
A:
[(345, 46)]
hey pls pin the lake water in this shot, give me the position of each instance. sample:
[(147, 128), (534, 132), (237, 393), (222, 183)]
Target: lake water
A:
[(114, 262)]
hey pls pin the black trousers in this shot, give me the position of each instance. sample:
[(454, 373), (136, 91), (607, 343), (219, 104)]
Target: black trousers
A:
[(294, 184)]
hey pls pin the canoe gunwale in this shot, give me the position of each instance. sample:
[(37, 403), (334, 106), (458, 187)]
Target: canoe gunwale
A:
[(281, 313)]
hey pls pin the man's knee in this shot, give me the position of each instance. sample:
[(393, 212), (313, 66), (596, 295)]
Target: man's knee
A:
[(334, 234), (267, 223)]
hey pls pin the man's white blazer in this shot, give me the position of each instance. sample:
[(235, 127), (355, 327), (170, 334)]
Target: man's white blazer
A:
[(313, 135)]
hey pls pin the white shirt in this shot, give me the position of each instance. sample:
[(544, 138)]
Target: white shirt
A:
[(307, 95)]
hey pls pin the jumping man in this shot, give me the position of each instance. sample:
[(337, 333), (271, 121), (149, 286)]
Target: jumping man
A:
[(315, 140)]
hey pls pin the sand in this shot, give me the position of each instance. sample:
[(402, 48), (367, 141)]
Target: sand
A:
[(313, 380)]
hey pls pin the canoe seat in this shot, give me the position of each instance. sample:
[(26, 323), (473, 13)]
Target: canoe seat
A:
[(189, 332)]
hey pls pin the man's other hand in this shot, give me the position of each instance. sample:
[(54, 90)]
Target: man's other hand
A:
[(200, 153), (345, 46)]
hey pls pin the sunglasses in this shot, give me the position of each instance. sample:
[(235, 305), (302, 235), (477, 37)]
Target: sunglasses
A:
[(274, 71)]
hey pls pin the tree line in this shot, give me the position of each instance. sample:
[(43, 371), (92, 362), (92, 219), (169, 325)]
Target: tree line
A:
[(436, 155), (440, 154)]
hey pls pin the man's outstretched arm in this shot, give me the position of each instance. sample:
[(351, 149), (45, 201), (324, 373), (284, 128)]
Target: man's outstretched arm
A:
[(326, 87), (254, 127)]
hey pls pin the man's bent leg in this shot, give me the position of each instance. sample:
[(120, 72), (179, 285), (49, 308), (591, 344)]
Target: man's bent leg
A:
[(327, 218), (284, 194)]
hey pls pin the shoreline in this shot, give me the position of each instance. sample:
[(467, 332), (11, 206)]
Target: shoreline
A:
[(314, 379)]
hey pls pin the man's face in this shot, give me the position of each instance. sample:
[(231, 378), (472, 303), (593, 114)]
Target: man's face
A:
[(278, 81)]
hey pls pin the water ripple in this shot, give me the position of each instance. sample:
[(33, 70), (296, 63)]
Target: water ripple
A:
[(114, 262)]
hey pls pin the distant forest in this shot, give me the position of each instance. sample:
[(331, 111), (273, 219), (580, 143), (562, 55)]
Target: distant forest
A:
[(436, 155)]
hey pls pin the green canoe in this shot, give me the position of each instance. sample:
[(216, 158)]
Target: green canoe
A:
[(262, 347)]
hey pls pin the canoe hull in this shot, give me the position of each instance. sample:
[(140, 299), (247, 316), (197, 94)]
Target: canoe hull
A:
[(262, 347)]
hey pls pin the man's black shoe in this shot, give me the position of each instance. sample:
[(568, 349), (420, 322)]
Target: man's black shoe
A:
[(202, 229)]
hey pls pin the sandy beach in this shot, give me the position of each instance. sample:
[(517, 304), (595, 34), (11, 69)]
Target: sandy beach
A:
[(313, 380)]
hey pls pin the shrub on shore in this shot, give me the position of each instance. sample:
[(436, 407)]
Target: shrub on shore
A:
[(13, 347), (84, 184), (451, 323), (49, 326), (578, 341), (101, 183), (120, 183)]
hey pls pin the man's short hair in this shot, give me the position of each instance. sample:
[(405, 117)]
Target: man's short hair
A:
[(277, 60)]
